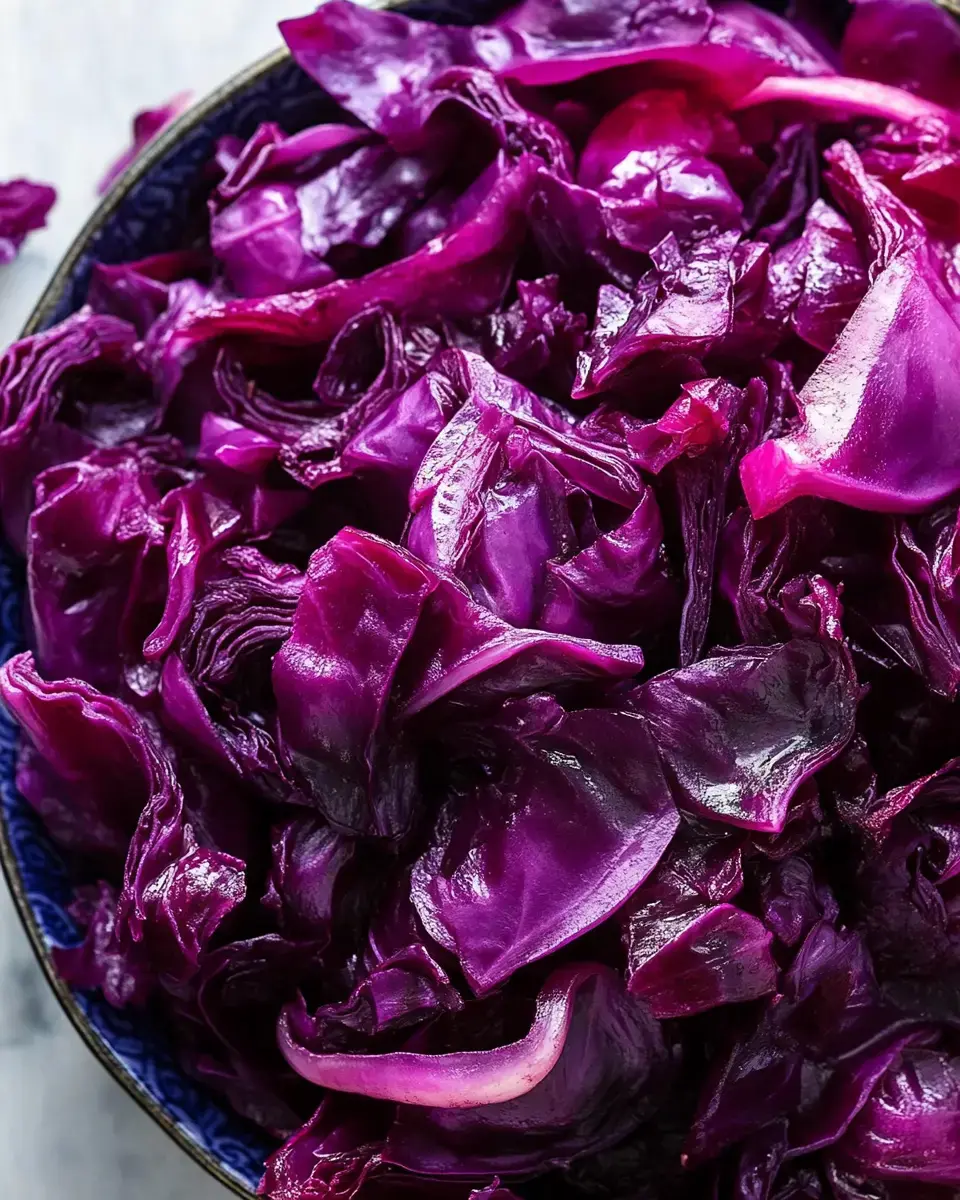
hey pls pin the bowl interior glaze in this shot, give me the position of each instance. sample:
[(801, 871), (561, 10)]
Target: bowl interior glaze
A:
[(152, 208)]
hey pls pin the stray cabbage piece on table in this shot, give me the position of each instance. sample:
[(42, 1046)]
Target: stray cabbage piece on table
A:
[(24, 206), (494, 609)]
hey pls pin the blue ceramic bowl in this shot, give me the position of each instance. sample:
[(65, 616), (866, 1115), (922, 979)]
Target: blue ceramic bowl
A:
[(148, 211)]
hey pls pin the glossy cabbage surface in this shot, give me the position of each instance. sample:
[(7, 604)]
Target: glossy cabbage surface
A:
[(494, 615)]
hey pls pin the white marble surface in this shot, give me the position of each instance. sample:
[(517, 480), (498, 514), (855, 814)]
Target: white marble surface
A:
[(71, 76)]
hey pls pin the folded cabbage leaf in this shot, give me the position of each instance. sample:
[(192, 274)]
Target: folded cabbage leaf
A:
[(64, 393), (686, 953), (356, 616), (741, 730), (86, 762), (585, 1075), (96, 574), (859, 441), (294, 213), (575, 817), (908, 1127)]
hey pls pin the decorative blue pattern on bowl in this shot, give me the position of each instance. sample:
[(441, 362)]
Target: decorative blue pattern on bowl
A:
[(148, 215)]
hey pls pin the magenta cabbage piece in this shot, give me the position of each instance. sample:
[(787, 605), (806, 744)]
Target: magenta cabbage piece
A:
[(910, 44), (842, 97), (908, 1127), (906, 469), (291, 206), (23, 208), (539, 43), (493, 607)]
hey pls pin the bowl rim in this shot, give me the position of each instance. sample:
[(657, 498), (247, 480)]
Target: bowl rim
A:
[(145, 161)]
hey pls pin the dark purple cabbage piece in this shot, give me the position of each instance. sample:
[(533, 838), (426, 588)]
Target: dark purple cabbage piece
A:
[(593, 772), (738, 733), (63, 393)]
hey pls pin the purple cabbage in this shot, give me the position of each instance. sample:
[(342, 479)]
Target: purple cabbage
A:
[(23, 208), (593, 772), (493, 610), (291, 207), (912, 45)]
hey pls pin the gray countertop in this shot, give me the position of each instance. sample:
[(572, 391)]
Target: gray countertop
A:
[(71, 76)]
